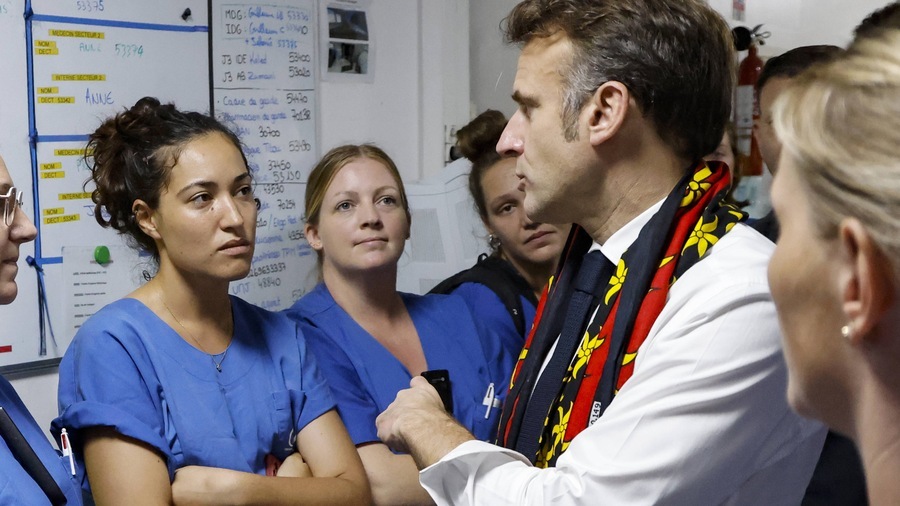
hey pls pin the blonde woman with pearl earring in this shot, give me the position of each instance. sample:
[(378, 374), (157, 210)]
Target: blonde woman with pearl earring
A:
[(835, 274)]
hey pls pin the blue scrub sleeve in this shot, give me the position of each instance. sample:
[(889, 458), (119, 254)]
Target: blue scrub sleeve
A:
[(355, 405), (100, 386), (500, 348), (318, 398), (16, 485), (490, 312)]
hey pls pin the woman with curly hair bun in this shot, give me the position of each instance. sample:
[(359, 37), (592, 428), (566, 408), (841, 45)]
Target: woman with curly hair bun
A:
[(180, 393)]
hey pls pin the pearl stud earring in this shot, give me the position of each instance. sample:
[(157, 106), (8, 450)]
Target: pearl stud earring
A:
[(845, 331)]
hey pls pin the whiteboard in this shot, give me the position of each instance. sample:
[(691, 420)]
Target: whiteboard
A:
[(264, 88), (72, 63)]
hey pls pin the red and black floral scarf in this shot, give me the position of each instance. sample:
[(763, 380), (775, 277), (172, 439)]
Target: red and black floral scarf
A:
[(691, 220)]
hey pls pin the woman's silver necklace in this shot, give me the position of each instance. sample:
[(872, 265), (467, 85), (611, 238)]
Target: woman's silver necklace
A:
[(197, 342)]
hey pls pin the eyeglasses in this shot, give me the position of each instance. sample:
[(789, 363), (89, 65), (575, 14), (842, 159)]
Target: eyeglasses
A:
[(11, 201)]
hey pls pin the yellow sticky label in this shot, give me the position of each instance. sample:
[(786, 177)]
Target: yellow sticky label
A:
[(68, 152), (77, 33), (56, 100), (57, 174), (79, 77), (54, 211), (53, 165), (45, 43), (46, 51), (74, 196), (48, 90), (62, 219)]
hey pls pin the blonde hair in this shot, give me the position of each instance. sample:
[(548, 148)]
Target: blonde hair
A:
[(840, 125), (323, 173)]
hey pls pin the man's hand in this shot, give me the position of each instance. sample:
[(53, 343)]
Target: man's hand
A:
[(416, 423)]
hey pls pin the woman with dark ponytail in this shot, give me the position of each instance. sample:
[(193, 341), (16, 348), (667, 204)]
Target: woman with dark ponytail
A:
[(503, 288), (180, 393)]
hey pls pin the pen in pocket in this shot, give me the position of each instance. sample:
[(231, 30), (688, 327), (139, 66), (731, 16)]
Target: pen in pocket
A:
[(490, 400), (67, 449)]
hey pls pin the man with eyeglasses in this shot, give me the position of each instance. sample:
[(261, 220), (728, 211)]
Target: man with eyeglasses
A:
[(31, 471), (654, 373), (14, 233), (13, 199)]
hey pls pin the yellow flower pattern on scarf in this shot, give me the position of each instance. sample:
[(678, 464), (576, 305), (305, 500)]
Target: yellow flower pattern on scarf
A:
[(697, 187), (703, 236), (666, 261), (734, 211), (616, 281), (588, 346), (700, 220), (558, 432), (524, 352)]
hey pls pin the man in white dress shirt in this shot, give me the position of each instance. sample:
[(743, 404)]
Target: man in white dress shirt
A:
[(671, 387)]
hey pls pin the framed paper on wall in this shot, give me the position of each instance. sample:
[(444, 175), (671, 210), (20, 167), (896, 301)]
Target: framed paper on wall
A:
[(347, 49)]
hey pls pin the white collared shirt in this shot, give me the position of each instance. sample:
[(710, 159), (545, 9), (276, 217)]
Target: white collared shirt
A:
[(703, 419)]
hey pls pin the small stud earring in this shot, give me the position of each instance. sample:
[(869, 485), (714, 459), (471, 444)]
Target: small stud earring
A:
[(493, 241), (845, 331)]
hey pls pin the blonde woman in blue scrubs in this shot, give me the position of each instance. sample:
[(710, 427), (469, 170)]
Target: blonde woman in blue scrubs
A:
[(372, 339)]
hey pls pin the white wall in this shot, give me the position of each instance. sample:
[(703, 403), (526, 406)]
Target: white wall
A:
[(792, 23), (493, 62), (421, 83)]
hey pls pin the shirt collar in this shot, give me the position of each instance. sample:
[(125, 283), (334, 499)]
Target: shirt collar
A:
[(615, 246)]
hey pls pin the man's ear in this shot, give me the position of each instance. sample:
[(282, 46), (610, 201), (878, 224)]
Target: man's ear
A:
[(145, 219), (868, 287), (311, 232), (606, 111)]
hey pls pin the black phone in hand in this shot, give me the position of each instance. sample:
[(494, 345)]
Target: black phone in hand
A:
[(440, 380)]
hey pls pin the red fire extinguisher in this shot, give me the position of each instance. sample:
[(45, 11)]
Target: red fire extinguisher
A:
[(747, 100)]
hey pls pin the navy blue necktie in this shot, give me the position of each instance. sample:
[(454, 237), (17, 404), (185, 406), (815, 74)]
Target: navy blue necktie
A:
[(549, 385)]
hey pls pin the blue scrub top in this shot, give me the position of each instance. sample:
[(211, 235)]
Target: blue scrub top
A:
[(129, 370), (16, 485), (488, 309), (365, 377)]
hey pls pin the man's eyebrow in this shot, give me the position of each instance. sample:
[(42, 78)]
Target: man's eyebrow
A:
[(521, 99)]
